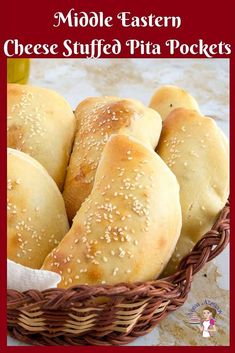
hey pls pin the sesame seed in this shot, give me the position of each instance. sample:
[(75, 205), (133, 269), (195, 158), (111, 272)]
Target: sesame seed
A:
[(115, 271), (83, 270)]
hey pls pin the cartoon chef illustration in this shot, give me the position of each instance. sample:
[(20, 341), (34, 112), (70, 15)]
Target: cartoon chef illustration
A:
[(207, 325)]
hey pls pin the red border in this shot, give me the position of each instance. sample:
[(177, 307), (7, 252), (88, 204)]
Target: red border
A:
[(32, 22), (3, 203)]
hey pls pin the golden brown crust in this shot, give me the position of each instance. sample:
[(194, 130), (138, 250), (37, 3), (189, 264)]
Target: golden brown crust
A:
[(41, 123), (36, 217), (167, 98), (127, 228), (98, 118), (197, 152)]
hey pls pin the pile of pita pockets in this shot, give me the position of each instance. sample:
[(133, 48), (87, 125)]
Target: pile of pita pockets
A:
[(115, 192)]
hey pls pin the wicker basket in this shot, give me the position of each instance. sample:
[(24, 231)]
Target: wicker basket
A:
[(80, 315)]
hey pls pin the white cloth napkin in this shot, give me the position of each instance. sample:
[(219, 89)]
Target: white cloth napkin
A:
[(23, 278)]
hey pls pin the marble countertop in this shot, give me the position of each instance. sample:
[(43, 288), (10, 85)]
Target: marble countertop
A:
[(208, 81)]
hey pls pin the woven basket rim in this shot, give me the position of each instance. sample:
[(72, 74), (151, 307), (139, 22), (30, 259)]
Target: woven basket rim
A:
[(166, 293)]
